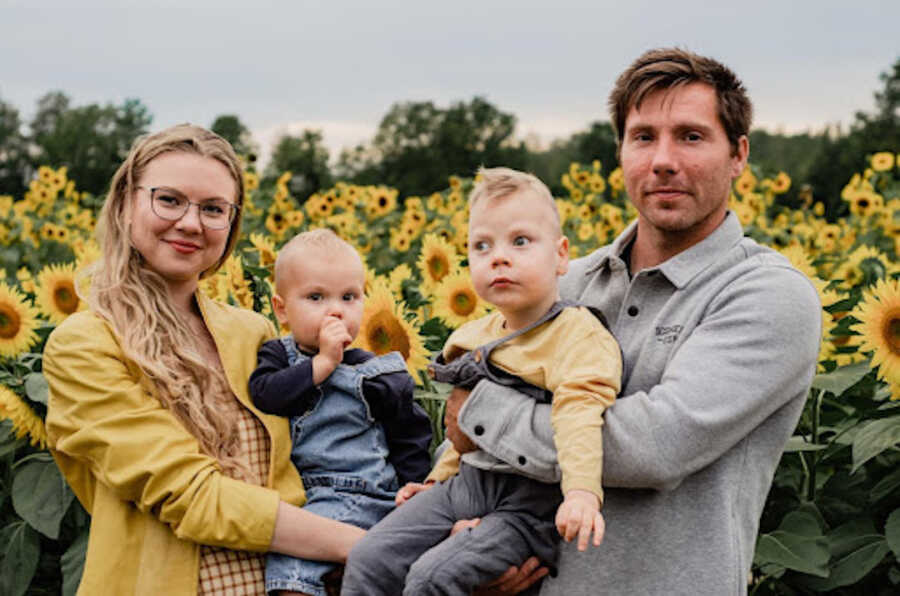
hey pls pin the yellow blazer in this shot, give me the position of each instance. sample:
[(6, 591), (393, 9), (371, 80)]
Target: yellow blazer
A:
[(152, 494)]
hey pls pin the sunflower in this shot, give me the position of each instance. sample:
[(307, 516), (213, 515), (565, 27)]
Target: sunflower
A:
[(879, 324), (18, 320), (266, 250), (23, 418), (251, 181), (597, 183), (437, 260), (585, 231), (56, 297), (381, 201), (864, 203), (883, 161), (746, 182), (781, 184), (851, 270), (617, 180), (397, 276), (384, 329), (456, 302)]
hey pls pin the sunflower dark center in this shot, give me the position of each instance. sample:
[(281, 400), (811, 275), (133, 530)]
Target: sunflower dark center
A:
[(65, 298), (10, 323), (892, 333), (463, 303), (387, 335), (438, 267)]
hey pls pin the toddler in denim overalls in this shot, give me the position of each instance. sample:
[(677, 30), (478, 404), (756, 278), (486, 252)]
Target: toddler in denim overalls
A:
[(516, 253), (355, 429)]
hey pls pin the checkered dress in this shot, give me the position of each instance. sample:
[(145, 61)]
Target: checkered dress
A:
[(234, 572)]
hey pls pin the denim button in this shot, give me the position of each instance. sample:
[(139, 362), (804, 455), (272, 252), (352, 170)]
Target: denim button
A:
[(479, 430)]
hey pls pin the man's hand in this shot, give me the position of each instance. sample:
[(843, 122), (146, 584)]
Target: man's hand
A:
[(578, 515), (461, 442), (333, 338), (409, 490), (514, 579)]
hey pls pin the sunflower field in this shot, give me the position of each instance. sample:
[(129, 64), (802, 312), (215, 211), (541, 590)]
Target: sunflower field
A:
[(832, 521)]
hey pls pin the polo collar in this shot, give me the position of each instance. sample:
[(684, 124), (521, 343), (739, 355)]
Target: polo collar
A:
[(684, 266)]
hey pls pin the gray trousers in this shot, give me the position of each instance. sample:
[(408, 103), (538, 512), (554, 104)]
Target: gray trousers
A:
[(411, 550)]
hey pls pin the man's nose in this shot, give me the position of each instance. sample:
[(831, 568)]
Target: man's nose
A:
[(664, 157)]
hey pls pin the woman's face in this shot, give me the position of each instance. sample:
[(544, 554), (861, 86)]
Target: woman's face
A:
[(182, 249)]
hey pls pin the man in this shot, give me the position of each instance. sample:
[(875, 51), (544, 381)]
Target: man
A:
[(719, 337)]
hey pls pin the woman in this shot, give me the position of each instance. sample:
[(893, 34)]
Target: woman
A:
[(149, 418)]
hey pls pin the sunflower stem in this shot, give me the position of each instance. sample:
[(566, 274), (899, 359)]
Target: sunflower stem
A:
[(813, 455)]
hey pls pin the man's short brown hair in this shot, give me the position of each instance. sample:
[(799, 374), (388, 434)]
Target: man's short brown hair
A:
[(666, 68)]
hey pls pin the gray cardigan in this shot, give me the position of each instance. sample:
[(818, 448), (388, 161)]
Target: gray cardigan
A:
[(720, 344)]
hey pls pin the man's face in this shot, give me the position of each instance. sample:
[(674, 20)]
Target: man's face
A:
[(678, 164)]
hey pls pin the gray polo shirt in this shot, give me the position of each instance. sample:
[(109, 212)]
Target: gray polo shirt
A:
[(720, 344)]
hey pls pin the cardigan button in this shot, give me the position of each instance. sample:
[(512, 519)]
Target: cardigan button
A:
[(633, 311), (479, 430), (522, 460)]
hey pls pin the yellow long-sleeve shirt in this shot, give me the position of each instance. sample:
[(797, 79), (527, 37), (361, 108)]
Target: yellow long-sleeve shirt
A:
[(153, 496), (576, 358)]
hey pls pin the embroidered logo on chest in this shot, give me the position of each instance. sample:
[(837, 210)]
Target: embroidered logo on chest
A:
[(668, 334)]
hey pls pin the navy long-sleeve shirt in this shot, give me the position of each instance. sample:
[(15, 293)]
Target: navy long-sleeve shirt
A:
[(284, 390)]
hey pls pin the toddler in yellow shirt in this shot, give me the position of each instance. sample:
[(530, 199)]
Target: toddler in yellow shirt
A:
[(516, 253)]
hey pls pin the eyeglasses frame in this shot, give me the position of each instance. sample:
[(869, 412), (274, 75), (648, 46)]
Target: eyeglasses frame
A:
[(233, 211)]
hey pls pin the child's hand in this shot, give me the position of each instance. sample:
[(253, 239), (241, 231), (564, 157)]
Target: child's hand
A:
[(578, 515), (333, 338), (409, 491)]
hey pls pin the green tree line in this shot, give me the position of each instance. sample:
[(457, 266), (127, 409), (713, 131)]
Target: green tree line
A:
[(418, 144)]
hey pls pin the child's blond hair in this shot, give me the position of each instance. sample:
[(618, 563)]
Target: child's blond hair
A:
[(321, 239), (496, 183)]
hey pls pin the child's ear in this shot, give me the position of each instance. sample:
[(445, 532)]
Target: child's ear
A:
[(562, 253), (279, 309)]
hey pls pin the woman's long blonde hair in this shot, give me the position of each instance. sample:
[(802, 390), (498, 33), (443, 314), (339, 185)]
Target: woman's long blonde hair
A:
[(136, 303)]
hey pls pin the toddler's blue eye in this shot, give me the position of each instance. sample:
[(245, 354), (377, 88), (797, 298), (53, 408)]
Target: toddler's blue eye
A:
[(521, 241), (315, 297)]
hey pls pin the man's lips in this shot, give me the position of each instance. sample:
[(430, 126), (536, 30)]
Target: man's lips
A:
[(183, 246), (666, 192)]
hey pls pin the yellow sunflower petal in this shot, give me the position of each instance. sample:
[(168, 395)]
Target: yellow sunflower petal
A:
[(879, 326), (384, 329), (23, 418), (18, 320), (56, 296), (456, 302)]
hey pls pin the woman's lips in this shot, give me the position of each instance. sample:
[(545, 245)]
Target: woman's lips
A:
[(184, 248)]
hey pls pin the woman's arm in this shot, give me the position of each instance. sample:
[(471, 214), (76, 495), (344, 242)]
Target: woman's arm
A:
[(105, 427), (305, 535)]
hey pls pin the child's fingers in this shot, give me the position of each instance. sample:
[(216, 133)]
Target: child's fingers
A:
[(599, 528), (584, 530)]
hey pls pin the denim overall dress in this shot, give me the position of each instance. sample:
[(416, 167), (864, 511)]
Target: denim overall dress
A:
[(341, 454)]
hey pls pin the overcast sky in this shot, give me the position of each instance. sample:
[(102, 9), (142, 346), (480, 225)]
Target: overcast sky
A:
[(338, 66)]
